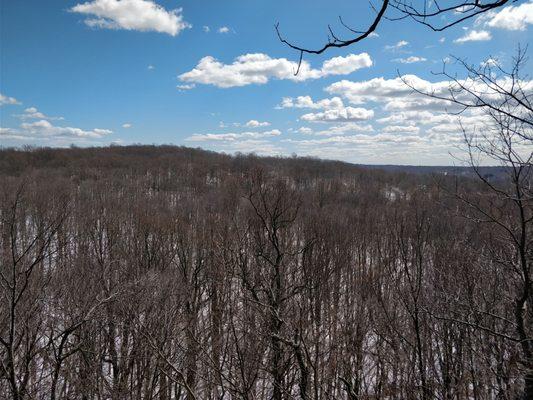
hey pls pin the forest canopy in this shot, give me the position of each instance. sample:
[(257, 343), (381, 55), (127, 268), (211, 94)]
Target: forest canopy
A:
[(146, 272)]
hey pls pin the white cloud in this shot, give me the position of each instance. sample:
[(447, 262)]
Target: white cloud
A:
[(346, 114), (401, 128), (139, 15), (256, 146), (307, 102), (510, 18), (258, 68), (490, 62), (9, 133), (151, 67), (335, 130), (474, 36), (127, 125), (334, 109), (416, 102), (206, 29), (33, 113), (223, 29), (38, 128), (181, 88), (8, 100), (45, 129), (442, 40), (410, 60), (397, 46), (346, 65), (247, 141), (364, 139), (305, 130), (411, 126), (230, 137), (414, 117), (395, 95), (380, 89), (256, 124)]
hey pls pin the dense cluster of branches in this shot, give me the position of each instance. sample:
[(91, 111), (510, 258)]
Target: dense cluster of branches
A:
[(170, 273)]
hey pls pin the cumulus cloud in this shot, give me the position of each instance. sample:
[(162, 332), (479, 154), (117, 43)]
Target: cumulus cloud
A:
[(418, 117), (39, 128), (189, 86), (139, 15), (397, 46), (9, 133), (336, 130), (256, 124), (223, 29), (346, 65), (379, 89), (307, 102), (259, 68), (397, 94), (419, 103), (206, 29), (33, 113), (394, 95), (512, 18), (8, 100), (305, 130), (364, 139), (410, 60), (346, 114), (334, 109), (230, 137), (380, 147), (45, 129), (407, 122), (474, 36), (127, 125), (261, 147), (490, 62), (401, 128)]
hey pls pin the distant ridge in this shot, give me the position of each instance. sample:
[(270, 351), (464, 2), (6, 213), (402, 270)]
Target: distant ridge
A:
[(491, 172), (123, 156)]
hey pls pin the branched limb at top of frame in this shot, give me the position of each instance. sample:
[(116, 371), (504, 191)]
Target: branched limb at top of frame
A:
[(425, 12)]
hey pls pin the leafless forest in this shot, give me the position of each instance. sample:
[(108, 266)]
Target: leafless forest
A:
[(172, 273)]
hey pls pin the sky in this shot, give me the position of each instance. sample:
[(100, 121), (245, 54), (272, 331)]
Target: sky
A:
[(213, 74)]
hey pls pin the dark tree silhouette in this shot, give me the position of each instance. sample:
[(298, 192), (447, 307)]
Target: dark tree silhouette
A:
[(425, 12)]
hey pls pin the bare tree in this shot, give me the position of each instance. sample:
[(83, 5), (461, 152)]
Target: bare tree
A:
[(504, 97)]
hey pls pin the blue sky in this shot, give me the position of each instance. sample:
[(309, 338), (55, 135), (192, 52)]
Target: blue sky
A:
[(213, 74)]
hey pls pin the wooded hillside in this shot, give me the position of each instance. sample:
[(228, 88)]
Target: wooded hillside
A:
[(147, 272)]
